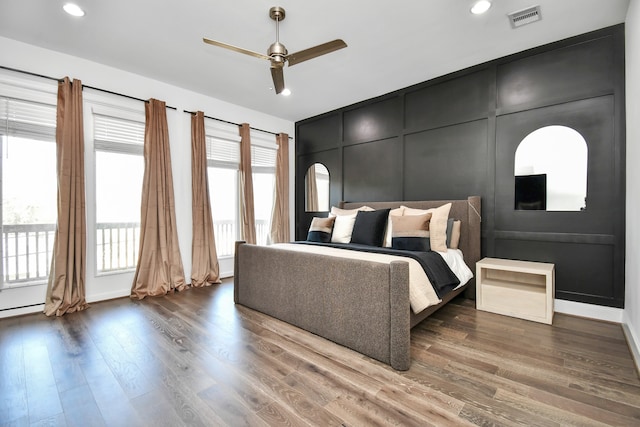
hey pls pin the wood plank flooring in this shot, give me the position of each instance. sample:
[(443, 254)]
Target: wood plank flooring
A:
[(194, 358)]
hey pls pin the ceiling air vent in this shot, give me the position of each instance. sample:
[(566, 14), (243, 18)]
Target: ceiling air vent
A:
[(524, 16)]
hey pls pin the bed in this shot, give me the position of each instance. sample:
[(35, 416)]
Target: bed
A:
[(358, 303)]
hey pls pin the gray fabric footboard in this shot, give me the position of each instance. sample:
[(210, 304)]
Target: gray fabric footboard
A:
[(357, 304)]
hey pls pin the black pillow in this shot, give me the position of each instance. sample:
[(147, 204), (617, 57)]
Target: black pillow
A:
[(369, 227)]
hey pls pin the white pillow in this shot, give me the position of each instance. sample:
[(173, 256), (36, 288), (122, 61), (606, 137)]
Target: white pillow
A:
[(437, 227), (337, 211), (342, 228)]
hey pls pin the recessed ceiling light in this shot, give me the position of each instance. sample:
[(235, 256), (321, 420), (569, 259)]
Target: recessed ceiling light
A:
[(285, 92), (480, 7), (73, 9)]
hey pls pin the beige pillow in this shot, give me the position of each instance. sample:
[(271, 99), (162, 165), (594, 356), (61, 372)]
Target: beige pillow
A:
[(320, 229), (411, 232), (438, 225), (387, 234), (411, 225)]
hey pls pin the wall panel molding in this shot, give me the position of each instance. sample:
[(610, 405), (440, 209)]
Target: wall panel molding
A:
[(456, 136), (589, 239)]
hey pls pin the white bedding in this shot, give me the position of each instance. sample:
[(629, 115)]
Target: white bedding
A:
[(455, 260), (421, 292)]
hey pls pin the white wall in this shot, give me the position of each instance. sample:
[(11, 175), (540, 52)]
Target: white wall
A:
[(50, 63), (632, 283)]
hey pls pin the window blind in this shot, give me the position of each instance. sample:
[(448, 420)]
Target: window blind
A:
[(223, 144), (118, 134), (263, 157), (26, 119), (222, 150), (223, 147)]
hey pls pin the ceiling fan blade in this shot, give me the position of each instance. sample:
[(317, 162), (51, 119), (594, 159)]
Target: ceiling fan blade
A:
[(278, 78), (313, 52), (235, 48)]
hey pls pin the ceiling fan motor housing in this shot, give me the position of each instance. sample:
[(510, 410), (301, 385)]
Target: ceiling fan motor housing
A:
[(277, 52)]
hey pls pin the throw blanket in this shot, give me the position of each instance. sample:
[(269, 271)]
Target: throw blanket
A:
[(440, 275)]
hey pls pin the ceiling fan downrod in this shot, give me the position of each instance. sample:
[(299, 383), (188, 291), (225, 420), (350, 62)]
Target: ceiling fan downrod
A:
[(277, 51)]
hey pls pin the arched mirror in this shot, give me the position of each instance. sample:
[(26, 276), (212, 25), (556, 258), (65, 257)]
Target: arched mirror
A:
[(316, 188), (551, 170)]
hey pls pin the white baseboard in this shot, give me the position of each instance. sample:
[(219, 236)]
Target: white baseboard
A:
[(226, 274), (591, 311), (632, 341), (109, 295), (39, 308)]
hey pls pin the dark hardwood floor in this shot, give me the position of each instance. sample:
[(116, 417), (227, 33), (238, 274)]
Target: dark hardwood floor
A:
[(194, 358)]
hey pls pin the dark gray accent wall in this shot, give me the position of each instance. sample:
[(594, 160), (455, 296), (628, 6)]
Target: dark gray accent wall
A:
[(456, 136)]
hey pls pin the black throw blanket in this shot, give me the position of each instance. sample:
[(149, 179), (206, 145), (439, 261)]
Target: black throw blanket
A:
[(436, 268)]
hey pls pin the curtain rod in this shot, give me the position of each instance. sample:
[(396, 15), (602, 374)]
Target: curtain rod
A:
[(83, 86), (127, 96), (30, 73), (233, 123), (123, 95)]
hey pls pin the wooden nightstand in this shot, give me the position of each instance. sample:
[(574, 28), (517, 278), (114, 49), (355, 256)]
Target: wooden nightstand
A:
[(521, 289)]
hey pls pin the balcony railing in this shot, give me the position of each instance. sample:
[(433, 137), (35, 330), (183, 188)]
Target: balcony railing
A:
[(27, 248), (26, 252), (117, 245), (226, 236)]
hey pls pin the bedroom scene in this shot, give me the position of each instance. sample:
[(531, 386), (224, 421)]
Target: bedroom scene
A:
[(340, 214)]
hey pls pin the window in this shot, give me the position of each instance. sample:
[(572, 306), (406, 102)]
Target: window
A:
[(118, 137), (223, 158), (28, 186), (263, 166)]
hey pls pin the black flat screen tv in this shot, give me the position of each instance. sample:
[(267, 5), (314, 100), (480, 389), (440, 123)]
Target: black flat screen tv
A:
[(531, 192)]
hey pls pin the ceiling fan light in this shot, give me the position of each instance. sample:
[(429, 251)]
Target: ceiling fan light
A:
[(285, 92), (73, 9), (480, 7)]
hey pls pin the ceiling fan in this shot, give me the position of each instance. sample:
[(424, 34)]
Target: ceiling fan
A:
[(277, 53)]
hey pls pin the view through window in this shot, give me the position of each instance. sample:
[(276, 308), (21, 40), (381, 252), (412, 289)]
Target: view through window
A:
[(29, 208), (223, 160), (29, 190), (118, 196), (119, 146)]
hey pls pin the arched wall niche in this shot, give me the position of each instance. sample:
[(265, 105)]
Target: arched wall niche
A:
[(317, 183), (551, 170)]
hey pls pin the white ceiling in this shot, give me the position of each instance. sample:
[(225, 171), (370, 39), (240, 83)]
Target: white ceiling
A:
[(391, 45)]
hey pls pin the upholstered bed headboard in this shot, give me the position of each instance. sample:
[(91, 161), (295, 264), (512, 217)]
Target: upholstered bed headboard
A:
[(468, 211)]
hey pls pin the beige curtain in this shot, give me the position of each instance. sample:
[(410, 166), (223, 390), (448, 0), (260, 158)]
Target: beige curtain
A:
[(247, 214), (280, 214), (204, 267), (65, 289), (159, 268), (311, 192)]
